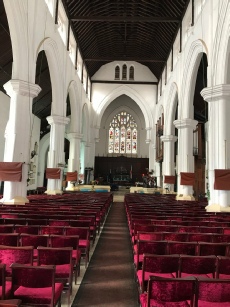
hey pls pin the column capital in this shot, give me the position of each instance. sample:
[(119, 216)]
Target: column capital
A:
[(56, 119), (74, 135), (185, 123), (22, 88), (216, 92), (168, 138)]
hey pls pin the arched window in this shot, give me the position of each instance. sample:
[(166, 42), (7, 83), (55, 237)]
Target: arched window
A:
[(117, 73), (123, 134), (124, 72), (131, 73)]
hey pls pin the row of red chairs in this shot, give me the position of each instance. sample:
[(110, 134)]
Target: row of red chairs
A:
[(189, 292), (177, 247), (60, 258), (174, 266)]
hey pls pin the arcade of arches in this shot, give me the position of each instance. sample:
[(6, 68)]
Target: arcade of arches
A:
[(123, 120)]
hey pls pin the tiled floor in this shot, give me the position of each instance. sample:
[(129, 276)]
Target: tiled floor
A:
[(118, 196)]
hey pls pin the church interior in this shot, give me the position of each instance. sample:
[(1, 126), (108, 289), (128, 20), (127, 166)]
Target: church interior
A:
[(116, 107)]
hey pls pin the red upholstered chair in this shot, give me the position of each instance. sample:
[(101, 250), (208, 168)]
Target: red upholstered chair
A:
[(35, 241), (62, 258), (5, 286), (29, 229), (69, 241), (218, 238), (9, 228), (204, 237), (169, 292), (147, 236), (198, 266), (15, 254), (57, 222), (175, 236), (84, 240), (223, 267), (213, 292), (157, 265), (148, 247), (54, 230), (35, 285), (217, 249), (184, 248), (36, 221), (10, 239)]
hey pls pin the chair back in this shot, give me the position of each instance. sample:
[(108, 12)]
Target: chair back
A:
[(54, 256), (185, 248), (48, 230), (166, 290), (30, 278), (210, 291), (34, 240), (10, 239), (197, 265)]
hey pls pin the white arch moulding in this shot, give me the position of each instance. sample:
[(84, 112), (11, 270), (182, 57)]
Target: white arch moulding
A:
[(189, 79), (171, 109), (56, 71), (122, 90)]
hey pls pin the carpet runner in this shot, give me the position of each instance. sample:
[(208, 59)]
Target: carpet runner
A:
[(109, 279)]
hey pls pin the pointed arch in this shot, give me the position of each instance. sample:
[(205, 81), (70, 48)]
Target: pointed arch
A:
[(54, 62), (189, 78), (123, 90)]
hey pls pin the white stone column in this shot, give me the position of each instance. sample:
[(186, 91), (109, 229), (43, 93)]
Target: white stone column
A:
[(18, 136), (74, 155), (152, 156), (185, 155), (87, 154), (218, 147), (168, 163), (56, 155)]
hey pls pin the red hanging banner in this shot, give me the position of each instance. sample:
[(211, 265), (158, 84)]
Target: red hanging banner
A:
[(169, 179), (187, 178), (53, 173), (11, 171), (71, 176), (222, 179)]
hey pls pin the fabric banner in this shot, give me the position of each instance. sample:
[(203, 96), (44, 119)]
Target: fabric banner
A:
[(53, 173), (187, 178), (11, 171), (169, 179), (71, 176), (222, 179)]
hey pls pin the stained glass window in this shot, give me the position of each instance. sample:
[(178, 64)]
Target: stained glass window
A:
[(123, 134)]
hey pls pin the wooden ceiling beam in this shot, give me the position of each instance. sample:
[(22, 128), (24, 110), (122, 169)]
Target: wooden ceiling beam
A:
[(110, 59), (125, 19)]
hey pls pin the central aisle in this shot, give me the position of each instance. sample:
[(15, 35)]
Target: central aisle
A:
[(109, 279)]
